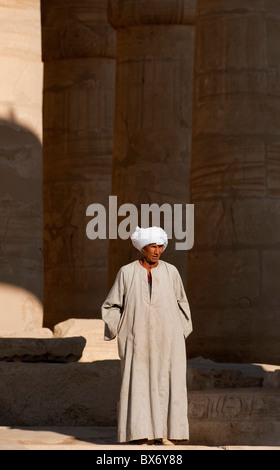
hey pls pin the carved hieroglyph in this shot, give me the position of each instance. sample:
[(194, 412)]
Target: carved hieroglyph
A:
[(240, 416)]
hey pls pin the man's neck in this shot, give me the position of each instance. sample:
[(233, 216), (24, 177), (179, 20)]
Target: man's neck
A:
[(148, 264)]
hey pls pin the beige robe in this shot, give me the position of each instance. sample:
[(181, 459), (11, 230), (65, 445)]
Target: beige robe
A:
[(151, 334)]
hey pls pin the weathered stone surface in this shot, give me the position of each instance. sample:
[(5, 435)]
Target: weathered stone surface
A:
[(76, 30), (206, 375), (134, 12), (87, 395), (234, 265), (62, 394), (235, 416), (94, 438), (41, 350), (153, 112), (34, 333), (21, 229), (79, 86), (20, 310), (272, 379), (96, 348)]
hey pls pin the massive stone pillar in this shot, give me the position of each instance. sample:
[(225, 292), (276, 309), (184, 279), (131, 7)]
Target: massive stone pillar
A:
[(153, 111), (79, 83), (21, 229), (234, 268)]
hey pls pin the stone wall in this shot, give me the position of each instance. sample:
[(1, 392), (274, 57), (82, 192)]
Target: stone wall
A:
[(86, 394)]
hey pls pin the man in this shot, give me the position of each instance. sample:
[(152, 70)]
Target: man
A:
[(148, 310)]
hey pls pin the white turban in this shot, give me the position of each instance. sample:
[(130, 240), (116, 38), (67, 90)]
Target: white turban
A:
[(146, 236)]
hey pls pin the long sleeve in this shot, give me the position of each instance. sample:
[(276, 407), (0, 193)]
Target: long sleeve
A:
[(112, 308), (183, 304)]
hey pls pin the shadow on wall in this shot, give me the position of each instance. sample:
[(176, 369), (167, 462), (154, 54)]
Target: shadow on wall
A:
[(21, 218)]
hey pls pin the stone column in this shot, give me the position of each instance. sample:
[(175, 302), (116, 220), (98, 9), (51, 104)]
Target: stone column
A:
[(21, 228), (234, 268), (153, 111), (79, 83)]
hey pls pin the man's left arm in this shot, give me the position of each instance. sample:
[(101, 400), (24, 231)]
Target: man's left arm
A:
[(183, 304)]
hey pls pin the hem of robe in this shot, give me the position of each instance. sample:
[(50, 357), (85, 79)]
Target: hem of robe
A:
[(172, 437)]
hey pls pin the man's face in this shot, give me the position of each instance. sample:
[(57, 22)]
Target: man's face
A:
[(152, 252)]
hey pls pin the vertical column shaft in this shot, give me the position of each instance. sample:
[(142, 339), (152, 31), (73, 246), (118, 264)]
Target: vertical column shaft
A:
[(153, 111), (235, 264), (79, 83), (21, 230)]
